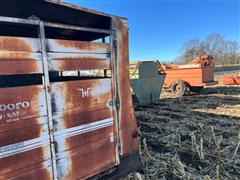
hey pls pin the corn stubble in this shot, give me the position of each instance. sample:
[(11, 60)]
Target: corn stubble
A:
[(193, 137)]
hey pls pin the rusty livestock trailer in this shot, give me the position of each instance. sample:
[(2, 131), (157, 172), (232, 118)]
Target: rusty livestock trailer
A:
[(60, 119), (193, 76)]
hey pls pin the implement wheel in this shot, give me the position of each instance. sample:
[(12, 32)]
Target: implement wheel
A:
[(178, 88)]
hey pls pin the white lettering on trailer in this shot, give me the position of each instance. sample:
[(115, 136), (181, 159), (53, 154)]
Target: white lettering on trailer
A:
[(16, 106), (10, 112), (3, 107), (11, 107), (85, 92), (25, 104)]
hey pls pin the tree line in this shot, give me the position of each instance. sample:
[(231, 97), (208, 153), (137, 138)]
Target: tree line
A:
[(224, 51)]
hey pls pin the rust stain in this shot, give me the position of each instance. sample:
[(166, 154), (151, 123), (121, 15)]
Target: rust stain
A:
[(38, 174), (19, 67), (129, 143), (78, 99), (79, 63), (80, 45), (25, 164), (81, 142), (73, 118), (83, 102), (208, 74), (17, 134), (14, 44), (16, 56), (72, 94), (95, 150), (18, 105), (20, 113), (19, 63)]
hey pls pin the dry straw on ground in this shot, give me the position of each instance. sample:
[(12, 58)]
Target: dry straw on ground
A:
[(193, 137)]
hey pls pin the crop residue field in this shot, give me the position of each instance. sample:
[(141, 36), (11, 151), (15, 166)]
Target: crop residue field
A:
[(193, 137)]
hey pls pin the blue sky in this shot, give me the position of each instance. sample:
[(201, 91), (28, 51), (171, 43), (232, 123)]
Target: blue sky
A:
[(158, 28)]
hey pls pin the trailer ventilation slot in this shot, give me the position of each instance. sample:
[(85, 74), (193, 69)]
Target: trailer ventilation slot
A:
[(20, 80)]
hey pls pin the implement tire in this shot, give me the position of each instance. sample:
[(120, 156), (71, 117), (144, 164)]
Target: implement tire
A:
[(178, 88)]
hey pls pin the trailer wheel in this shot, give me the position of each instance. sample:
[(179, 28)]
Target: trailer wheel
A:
[(179, 88), (196, 89)]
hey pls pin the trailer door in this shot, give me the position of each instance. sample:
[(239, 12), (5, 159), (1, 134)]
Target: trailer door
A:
[(82, 111)]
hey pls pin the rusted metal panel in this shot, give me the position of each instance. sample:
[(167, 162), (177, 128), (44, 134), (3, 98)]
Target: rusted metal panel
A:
[(18, 105), (128, 132), (67, 46), (73, 118), (19, 56), (84, 127), (24, 139), (77, 55), (12, 63), (95, 148), (10, 43), (208, 74), (66, 61), (43, 173), (26, 163), (85, 95)]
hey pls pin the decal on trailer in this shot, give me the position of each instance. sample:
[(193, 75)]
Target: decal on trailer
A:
[(14, 113), (85, 92), (15, 106)]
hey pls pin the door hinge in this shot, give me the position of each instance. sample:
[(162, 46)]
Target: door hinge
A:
[(117, 103), (114, 103)]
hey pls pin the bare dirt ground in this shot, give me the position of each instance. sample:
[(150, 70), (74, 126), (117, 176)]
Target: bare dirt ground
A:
[(193, 137)]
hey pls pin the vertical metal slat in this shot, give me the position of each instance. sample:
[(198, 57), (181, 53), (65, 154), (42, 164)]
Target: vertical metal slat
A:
[(48, 97), (116, 98)]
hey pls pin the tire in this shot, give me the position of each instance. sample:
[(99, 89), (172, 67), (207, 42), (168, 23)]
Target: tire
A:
[(178, 88), (196, 89)]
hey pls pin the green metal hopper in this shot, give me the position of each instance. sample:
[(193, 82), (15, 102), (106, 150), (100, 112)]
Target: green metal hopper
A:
[(146, 81)]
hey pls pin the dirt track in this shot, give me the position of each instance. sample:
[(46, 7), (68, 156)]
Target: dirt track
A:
[(193, 137)]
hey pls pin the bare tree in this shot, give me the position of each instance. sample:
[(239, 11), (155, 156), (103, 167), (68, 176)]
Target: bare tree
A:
[(191, 49), (224, 51), (213, 43)]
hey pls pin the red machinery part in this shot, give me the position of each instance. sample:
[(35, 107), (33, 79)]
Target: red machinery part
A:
[(231, 80), (237, 80)]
